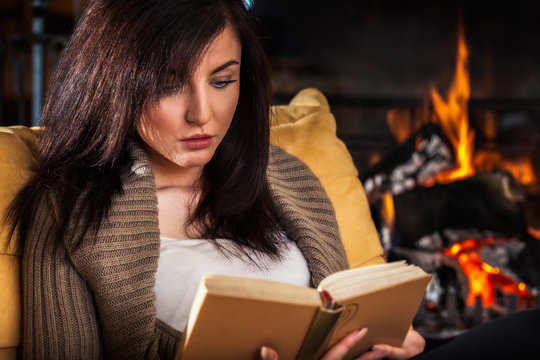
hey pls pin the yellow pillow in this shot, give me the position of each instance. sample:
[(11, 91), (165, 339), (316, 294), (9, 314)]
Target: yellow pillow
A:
[(307, 129), (17, 159)]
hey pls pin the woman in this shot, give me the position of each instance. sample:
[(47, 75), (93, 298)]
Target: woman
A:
[(155, 166)]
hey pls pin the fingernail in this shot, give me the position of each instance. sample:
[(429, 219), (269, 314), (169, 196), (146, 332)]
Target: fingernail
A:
[(379, 348), (266, 354), (360, 334)]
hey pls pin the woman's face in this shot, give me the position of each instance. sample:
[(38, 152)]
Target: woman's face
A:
[(184, 129)]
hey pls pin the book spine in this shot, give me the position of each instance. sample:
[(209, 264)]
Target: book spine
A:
[(318, 333)]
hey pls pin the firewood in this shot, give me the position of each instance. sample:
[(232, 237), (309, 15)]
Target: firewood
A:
[(413, 163), (490, 201)]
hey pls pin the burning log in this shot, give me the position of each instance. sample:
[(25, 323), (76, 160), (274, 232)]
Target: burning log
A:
[(413, 163), (483, 206), (491, 202)]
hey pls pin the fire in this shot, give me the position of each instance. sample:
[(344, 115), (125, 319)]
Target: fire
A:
[(402, 122), (521, 169), (452, 115), (388, 211), (483, 278), (454, 118), (399, 123)]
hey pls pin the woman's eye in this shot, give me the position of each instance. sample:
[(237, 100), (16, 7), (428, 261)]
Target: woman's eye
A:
[(222, 84)]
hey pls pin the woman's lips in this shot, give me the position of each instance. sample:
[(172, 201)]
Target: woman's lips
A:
[(198, 141)]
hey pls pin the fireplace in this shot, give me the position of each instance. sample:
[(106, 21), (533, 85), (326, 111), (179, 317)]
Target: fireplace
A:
[(462, 208), (439, 105)]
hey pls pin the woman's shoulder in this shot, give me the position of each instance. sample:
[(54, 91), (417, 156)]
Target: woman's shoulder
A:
[(290, 176), (307, 213), (282, 164)]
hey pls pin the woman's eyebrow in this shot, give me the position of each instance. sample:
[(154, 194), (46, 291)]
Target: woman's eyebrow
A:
[(227, 64)]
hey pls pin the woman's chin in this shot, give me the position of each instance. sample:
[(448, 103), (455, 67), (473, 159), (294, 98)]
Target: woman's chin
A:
[(189, 161)]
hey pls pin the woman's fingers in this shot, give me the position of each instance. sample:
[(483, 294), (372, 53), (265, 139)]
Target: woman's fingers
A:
[(339, 350), (268, 354), (413, 345)]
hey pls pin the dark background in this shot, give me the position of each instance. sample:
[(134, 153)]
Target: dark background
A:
[(366, 55), (400, 48)]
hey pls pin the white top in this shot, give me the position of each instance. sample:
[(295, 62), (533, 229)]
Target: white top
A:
[(182, 263)]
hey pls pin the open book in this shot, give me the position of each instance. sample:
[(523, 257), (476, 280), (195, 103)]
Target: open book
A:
[(232, 317)]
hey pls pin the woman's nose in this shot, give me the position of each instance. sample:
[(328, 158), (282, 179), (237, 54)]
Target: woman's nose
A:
[(199, 109)]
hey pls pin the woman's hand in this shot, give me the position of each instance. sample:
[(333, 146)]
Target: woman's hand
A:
[(337, 352), (412, 345)]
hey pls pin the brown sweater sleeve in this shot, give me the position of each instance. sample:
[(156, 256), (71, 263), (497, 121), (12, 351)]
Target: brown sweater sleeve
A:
[(96, 300), (59, 321), (307, 214)]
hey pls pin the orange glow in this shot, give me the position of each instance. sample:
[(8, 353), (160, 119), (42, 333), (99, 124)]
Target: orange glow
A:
[(453, 116), (521, 169), (374, 159), (490, 125), (402, 122), (483, 278), (399, 124), (534, 232), (388, 212)]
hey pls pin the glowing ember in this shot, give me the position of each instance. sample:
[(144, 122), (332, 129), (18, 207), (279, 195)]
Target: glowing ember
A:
[(483, 278)]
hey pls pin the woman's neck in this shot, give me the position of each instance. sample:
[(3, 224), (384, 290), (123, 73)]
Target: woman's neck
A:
[(177, 192), (185, 179)]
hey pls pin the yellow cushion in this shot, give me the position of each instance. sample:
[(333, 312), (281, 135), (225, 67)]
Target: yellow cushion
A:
[(17, 159), (307, 129)]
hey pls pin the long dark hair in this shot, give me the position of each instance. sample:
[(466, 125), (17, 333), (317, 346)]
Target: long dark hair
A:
[(115, 64)]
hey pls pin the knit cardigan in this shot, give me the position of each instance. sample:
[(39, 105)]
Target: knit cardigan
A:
[(97, 300)]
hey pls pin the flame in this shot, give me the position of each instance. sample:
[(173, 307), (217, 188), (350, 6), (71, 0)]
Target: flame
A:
[(483, 278), (388, 211), (399, 123), (454, 118), (521, 169), (402, 122)]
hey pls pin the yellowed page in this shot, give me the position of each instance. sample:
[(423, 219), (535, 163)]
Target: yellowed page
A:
[(239, 316)]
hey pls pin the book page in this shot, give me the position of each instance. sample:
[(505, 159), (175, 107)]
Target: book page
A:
[(356, 281), (360, 273), (387, 312), (353, 287), (239, 315)]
